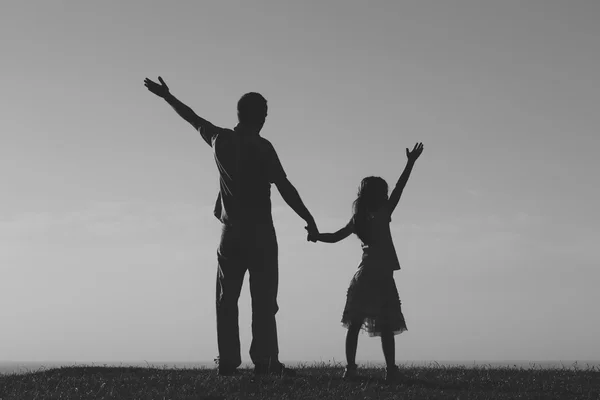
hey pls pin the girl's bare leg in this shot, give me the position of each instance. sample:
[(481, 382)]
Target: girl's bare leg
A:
[(352, 343), (389, 347)]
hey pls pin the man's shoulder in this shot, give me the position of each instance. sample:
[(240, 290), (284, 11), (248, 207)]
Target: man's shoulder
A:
[(264, 141), (228, 137), (258, 142), (227, 131), (266, 144), (224, 133)]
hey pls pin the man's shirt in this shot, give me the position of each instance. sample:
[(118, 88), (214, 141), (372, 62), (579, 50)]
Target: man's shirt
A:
[(248, 165)]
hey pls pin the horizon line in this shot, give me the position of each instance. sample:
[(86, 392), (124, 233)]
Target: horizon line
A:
[(303, 361)]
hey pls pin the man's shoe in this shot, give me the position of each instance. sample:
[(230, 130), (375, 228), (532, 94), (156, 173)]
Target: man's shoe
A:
[(227, 371), (276, 368), (350, 372)]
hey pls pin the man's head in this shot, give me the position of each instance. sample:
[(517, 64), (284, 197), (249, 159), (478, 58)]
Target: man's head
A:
[(252, 110)]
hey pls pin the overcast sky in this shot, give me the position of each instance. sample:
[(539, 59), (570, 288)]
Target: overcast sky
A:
[(107, 239)]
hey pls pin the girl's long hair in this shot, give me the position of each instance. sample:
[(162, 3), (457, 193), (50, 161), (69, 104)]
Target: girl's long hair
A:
[(371, 191)]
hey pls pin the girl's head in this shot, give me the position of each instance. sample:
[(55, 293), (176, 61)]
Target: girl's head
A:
[(372, 194)]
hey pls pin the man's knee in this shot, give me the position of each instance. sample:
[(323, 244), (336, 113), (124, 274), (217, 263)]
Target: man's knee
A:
[(264, 306), (226, 302), (227, 297)]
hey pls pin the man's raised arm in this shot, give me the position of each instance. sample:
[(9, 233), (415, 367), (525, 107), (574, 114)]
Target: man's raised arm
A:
[(206, 129)]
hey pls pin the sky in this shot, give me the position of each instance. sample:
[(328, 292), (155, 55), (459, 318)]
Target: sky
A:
[(107, 239)]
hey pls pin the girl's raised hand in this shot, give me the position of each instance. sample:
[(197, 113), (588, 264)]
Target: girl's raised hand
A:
[(160, 90), (415, 153)]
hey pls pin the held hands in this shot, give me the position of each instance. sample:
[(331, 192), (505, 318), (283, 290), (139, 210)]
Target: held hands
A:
[(415, 153), (161, 90), (313, 232)]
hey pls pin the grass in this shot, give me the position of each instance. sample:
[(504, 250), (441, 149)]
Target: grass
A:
[(318, 381)]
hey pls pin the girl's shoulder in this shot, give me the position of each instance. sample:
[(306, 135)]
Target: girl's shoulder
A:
[(382, 214), (377, 217), (352, 224)]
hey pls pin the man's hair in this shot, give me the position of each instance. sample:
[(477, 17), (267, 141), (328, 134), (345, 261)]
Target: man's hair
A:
[(252, 108)]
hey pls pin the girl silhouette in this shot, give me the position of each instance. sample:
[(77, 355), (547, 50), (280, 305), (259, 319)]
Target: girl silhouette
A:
[(372, 301)]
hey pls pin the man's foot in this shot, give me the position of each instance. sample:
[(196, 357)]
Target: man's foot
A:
[(393, 375), (226, 369), (276, 368), (223, 370), (350, 372)]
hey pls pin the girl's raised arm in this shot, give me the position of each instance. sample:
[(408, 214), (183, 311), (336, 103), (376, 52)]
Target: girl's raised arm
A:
[(397, 192)]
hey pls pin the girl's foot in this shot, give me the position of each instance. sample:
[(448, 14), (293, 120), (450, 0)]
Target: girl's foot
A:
[(350, 372), (393, 375)]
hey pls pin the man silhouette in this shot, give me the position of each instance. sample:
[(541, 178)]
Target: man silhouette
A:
[(247, 165)]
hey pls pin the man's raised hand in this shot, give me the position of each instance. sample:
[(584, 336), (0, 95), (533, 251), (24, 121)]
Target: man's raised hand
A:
[(415, 153), (160, 90)]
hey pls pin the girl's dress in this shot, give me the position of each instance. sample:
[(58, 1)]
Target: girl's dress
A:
[(372, 297)]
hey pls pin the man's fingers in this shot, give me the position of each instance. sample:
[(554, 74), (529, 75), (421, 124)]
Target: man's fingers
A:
[(161, 81)]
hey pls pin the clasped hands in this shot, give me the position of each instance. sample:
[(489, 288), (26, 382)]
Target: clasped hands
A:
[(312, 232)]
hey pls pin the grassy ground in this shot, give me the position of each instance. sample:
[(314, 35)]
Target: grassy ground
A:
[(319, 381)]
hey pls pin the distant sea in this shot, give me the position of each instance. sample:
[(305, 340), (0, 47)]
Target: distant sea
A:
[(10, 367)]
